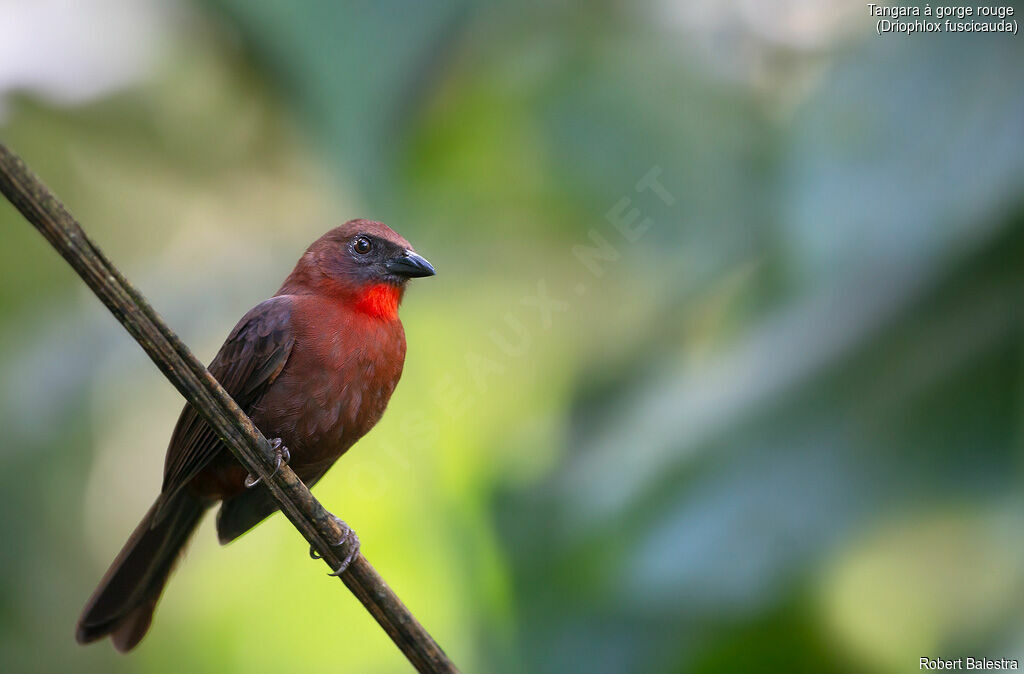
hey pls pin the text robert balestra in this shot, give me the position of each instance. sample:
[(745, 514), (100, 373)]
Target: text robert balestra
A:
[(990, 664)]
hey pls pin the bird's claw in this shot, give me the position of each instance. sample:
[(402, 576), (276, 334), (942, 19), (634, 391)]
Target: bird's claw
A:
[(282, 457), (349, 543)]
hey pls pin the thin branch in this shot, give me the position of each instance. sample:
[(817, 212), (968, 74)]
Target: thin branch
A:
[(41, 208)]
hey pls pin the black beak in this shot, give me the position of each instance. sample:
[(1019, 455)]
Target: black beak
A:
[(410, 265)]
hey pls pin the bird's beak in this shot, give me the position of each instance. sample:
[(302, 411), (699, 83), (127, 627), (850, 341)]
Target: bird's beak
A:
[(410, 265)]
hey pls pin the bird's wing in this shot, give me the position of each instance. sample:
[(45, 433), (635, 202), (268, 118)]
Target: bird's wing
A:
[(251, 358)]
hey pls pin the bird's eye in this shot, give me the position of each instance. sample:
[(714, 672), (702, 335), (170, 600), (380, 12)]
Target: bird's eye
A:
[(362, 245)]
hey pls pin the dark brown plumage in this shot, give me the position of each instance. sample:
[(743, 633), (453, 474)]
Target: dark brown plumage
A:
[(315, 366)]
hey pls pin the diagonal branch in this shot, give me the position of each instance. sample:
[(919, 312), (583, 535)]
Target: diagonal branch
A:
[(41, 208)]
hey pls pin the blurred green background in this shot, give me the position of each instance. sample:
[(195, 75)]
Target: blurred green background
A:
[(722, 370)]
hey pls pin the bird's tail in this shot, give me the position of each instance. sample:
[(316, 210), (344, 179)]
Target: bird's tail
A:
[(122, 606)]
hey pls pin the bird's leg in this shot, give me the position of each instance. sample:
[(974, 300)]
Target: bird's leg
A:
[(282, 456), (349, 544)]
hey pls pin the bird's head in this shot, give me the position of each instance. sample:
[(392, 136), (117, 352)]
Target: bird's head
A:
[(362, 262)]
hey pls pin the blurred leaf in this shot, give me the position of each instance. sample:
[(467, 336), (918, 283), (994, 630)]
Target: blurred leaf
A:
[(356, 72), (713, 490)]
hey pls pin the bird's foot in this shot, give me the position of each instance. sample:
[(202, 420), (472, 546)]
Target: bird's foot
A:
[(349, 544), (282, 457)]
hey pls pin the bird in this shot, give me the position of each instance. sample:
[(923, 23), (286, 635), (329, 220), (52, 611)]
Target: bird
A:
[(314, 367)]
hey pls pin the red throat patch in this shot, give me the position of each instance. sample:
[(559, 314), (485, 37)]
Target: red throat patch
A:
[(380, 301)]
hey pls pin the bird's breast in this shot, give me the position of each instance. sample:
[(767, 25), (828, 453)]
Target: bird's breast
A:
[(334, 388)]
